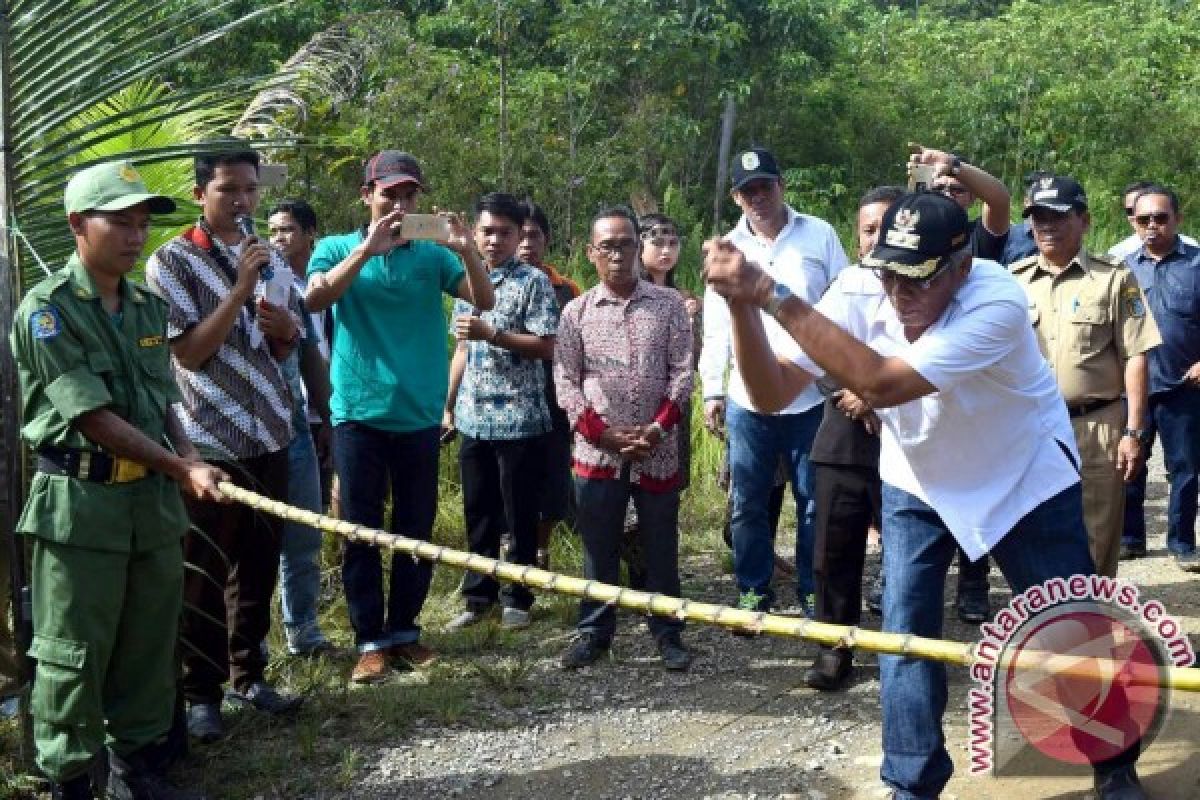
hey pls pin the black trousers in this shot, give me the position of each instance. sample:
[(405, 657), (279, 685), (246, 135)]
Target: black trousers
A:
[(501, 485), (232, 555), (847, 502)]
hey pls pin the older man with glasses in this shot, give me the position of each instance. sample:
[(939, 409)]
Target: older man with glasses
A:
[(977, 448)]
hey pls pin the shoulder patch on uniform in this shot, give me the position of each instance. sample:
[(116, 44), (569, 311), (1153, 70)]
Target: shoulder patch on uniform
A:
[(150, 341), (1112, 261), (45, 323), (1028, 261), (1134, 305)]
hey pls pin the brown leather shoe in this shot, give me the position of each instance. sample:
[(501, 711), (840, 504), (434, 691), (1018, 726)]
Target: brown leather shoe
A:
[(372, 667), (411, 656)]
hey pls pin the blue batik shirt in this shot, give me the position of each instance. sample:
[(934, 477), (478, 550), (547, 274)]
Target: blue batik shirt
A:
[(1172, 289), (502, 393)]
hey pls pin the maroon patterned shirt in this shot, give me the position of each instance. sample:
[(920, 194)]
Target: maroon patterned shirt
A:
[(625, 361)]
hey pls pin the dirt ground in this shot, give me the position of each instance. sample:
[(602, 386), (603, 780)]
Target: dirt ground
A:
[(741, 724)]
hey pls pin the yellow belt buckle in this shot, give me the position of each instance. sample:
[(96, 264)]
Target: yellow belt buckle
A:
[(125, 471)]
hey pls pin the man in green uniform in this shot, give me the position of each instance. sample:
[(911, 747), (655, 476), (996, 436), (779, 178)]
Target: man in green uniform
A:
[(104, 513)]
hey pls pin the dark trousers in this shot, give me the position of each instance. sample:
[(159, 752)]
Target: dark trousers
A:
[(367, 461), (232, 556), (600, 520), (501, 484), (847, 501), (1177, 418)]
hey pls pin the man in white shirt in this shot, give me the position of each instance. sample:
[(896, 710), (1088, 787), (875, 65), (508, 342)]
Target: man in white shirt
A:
[(804, 253), (976, 445)]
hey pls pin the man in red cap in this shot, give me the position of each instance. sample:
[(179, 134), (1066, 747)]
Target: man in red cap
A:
[(390, 370)]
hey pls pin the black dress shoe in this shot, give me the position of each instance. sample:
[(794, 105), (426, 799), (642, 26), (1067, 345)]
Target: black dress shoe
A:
[(831, 669), (972, 604), (1132, 551), (1119, 784), (586, 649), (675, 656), (1188, 562)]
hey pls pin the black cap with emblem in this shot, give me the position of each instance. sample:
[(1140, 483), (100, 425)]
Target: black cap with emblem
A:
[(917, 232), (755, 163), (1057, 193)]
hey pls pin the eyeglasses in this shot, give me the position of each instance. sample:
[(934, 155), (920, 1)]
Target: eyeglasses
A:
[(892, 280), (1161, 218), (951, 189), (612, 247)]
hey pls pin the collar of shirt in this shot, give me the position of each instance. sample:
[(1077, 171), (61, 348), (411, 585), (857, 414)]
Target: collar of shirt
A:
[(1180, 249), (794, 221), (1080, 260), (84, 287), (503, 270), (606, 296)]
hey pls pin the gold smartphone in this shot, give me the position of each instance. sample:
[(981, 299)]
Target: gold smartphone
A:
[(920, 177), (425, 226)]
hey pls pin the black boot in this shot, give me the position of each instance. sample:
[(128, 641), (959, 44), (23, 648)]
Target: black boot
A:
[(78, 788), (138, 777)]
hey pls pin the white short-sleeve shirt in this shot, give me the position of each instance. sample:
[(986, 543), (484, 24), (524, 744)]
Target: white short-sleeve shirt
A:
[(988, 446), (806, 256)]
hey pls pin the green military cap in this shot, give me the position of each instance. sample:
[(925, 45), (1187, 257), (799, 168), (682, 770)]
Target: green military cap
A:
[(112, 186)]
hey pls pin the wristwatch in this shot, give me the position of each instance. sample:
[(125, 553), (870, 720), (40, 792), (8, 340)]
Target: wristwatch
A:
[(779, 293), (955, 165), (1140, 435)]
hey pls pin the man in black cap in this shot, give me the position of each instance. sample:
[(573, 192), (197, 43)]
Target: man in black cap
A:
[(804, 253), (1092, 326), (390, 372), (935, 343)]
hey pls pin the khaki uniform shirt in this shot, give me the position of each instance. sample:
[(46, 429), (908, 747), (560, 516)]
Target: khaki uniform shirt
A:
[(72, 357), (1090, 318)]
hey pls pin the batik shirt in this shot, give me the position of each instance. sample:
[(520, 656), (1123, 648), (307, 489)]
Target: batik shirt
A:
[(501, 395)]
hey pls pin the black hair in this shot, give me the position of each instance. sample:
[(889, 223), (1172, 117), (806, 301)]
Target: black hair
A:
[(881, 194), (1159, 189), (500, 204), (1136, 186), (610, 212), (647, 223), (300, 210), (234, 151), (535, 214)]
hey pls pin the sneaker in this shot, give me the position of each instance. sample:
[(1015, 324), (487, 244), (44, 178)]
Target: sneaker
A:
[(264, 697), (1132, 550), (675, 656), (204, 722), (1188, 562), (586, 649), (372, 667), (972, 604), (1119, 784), (750, 601), (515, 619), (831, 669), (472, 616), (412, 655)]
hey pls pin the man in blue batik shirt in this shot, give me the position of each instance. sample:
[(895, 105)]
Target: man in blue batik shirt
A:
[(497, 403)]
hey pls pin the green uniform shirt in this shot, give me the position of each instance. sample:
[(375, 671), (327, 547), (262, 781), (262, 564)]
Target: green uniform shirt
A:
[(72, 357), (390, 363)]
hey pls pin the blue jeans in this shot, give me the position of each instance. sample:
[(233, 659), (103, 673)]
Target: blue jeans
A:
[(1177, 417), (300, 560), (1050, 541), (757, 442), (369, 460), (600, 520)]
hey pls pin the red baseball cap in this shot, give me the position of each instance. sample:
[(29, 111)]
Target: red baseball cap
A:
[(392, 167)]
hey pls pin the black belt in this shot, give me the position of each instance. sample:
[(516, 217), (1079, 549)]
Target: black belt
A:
[(89, 465), (1086, 408)]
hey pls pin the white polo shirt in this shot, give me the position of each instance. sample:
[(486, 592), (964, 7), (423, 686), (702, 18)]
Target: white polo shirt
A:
[(806, 256), (983, 450)]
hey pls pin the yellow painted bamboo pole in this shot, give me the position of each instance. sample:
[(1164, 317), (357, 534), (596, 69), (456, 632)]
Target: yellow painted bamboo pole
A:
[(959, 653)]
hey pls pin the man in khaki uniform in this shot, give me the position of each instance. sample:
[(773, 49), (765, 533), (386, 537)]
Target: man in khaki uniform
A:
[(1092, 326)]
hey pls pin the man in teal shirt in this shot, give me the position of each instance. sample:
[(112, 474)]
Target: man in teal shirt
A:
[(390, 369)]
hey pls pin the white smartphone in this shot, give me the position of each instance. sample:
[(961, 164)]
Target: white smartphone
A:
[(425, 226), (920, 177)]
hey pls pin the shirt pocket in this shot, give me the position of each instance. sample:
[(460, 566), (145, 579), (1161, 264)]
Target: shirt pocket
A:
[(1091, 328), (1179, 290)]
